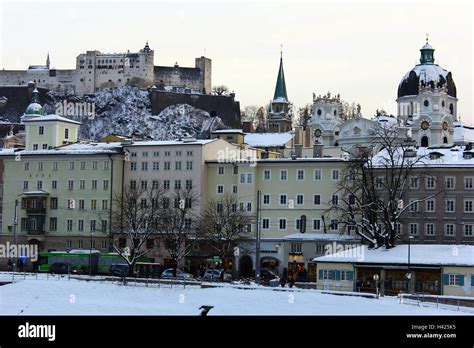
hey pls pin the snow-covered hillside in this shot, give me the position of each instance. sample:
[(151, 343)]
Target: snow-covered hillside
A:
[(126, 110)]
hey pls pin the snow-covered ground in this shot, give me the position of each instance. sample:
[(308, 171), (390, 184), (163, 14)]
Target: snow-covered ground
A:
[(76, 297)]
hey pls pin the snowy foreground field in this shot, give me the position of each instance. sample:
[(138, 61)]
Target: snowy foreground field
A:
[(75, 297)]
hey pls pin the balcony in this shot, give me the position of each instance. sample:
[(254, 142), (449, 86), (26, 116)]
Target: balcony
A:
[(36, 211), (35, 233)]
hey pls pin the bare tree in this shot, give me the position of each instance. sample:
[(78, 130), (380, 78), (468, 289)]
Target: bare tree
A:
[(374, 187), (250, 114), (225, 224), (137, 216), (304, 115), (220, 90), (261, 121), (180, 221)]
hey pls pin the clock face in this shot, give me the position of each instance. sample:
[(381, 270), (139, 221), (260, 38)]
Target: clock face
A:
[(317, 133), (425, 125), (445, 126)]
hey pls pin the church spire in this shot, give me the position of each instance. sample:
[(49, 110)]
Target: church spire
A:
[(280, 88)]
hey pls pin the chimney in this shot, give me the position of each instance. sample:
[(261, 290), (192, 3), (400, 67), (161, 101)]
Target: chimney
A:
[(318, 150), (299, 150)]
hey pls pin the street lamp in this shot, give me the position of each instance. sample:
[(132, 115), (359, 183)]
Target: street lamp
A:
[(409, 270)]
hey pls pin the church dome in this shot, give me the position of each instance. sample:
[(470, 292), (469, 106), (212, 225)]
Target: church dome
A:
[(426, 74), (35, 107)]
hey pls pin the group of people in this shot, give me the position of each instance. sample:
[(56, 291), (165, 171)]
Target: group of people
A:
[(299, 274), (19, 265)]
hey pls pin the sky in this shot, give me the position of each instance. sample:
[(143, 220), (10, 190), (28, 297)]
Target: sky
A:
[(360, 49)]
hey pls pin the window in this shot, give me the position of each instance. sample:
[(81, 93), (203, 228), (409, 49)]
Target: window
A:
[(246, 178), (189, 165), (25, 185), (317, 174), (45, 146), (105, 184), (468, 230), (189, 184), (93, 225), (266, 199), (300, 174), (450, 182), (178, 153), (156, 166), (316, 224), (413, 206), (103, 244), (413, 183), (455, 279), (379, 183), (167, 153), (106, 165), (299, 199), (53, 224), (103, 226), (234, 189), (334, 225), (144, 154), (54, 184), (93, 204), (69, 244), (82, 184), (449, 230), (80, 225), (413, 228), (220, 188), (133, 166), (71, 165), (177, 165), (82, 204), (335, 174), (335, 200), (166, 184), (283, 175), (189, 153), (54, 203), (450, 205), (249, 206), (235, 170), (24, 224), (66, 133), (133, 184), (40, 166), (143, 184), (26, 166), (267, 175), (296, 247), (177, 184), (319, 248), (41, 130), (167, 165), (468, 206), (265, 223), (430, 183), (69, 225), (220, 170), (317, 199), (105, 204), (94, 184), (430, 205), (282, 224), (80, 244), (283, 200), (468, 182), (144, 166), (94, 165), (70, 184), (83, 166), (429, 229), (35, 146)]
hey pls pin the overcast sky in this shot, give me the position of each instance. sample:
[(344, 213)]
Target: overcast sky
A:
[(360, 49)]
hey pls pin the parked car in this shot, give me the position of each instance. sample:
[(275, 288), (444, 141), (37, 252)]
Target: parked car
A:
[(168, 273), (212, 275), (266, 275), (119, 270), (61, 268)]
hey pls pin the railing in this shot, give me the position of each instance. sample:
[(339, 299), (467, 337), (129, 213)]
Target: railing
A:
[(37, 211), (438, 301)]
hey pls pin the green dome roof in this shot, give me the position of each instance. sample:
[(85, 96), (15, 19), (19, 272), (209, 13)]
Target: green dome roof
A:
[(35, 107)]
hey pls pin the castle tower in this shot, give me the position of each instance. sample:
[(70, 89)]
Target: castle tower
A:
[(427, 101), (279, 114)]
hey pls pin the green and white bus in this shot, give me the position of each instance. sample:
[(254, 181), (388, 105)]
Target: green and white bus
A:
[(80, 260)]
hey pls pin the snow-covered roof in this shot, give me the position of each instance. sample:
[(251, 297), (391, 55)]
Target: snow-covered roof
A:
[(72, 149), (420, 254), (235, 130), (320, 236), (48, 118), (463, 134), (268, 139), (427, 73), (447, 157), (172, 142)]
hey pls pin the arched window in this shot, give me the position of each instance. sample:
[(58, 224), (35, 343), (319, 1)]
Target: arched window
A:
[(424, 141), (445, 140), (451, 109)]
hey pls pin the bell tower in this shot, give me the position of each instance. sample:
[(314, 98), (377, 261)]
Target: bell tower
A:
[(279, 113)]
